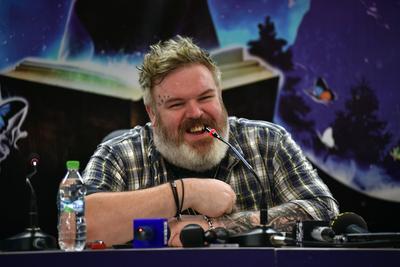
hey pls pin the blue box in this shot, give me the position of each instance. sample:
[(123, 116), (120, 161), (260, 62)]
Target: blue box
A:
[(150, 233)]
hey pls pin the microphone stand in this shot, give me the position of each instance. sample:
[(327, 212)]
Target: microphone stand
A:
[(32, 238), (261, 235)]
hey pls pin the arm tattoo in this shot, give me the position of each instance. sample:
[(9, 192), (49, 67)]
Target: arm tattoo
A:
[(240, 221), (282, 218)]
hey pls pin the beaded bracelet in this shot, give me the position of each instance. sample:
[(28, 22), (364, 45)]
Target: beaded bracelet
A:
[(209, 222)]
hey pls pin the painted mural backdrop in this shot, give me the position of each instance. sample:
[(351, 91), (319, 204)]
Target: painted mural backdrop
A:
[(337, 59)]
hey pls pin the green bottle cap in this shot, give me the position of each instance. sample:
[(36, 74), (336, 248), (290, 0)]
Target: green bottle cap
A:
[(73, 165)]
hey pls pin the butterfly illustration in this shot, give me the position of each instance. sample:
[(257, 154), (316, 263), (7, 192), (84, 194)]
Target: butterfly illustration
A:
[(13, 111), (4, 111)]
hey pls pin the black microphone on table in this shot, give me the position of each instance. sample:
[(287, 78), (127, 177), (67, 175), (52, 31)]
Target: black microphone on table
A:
[(33, 238), (348, 226), (349, 223), (323, 233), (351, 230), (347, 229), (314, 232), (193, 235), (327, 233), (33, 211), (261, 235), (311, 235)]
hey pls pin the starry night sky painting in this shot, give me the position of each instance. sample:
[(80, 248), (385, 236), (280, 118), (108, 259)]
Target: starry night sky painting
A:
[(339, 59), (349, 123), (31, 28)]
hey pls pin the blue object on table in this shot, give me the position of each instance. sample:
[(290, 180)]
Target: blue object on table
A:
[(150, 233)]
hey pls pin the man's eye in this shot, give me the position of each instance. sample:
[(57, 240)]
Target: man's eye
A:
[(206, 97), (175, 105)]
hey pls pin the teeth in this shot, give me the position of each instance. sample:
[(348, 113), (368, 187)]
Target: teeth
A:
[(197, 129)]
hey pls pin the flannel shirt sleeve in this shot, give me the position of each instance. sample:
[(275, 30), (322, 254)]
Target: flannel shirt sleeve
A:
[(104, 171), (296, 181)]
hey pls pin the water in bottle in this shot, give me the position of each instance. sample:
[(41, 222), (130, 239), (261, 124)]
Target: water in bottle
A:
[(71, 206)]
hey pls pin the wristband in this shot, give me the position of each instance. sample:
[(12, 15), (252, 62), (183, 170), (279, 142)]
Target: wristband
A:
[(176, 198), (183, 194)]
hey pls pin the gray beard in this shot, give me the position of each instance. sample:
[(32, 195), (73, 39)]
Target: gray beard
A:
[(186, 157)]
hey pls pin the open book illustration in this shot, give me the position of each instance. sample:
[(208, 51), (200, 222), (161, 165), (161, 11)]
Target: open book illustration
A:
[(121, 81)]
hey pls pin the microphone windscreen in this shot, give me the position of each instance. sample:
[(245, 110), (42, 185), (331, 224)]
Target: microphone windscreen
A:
[(340, 225), (218, 235), (192, 235)]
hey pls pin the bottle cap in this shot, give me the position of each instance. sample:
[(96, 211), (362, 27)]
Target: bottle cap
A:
[(73, 164)]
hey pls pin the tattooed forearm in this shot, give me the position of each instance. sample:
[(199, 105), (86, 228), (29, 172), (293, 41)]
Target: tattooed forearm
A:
[(240, 221), (284, 217)]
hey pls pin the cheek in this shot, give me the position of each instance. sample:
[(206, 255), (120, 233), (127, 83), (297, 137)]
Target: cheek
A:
[(171, 120), (214, 110)]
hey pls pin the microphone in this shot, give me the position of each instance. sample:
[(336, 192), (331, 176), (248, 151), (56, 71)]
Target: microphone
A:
[(193, 235), (33, 211), (349, 223), (352, 230), (323, 233), (32, 238), (260, 236), (218, 235), (308, 232)]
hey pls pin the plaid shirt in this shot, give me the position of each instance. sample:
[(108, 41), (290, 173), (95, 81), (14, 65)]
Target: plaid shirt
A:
[(131, 162)]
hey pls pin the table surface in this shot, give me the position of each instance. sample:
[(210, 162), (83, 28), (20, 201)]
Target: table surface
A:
[(212, 256)]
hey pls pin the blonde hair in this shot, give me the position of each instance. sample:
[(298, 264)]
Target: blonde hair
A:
[(165, 57)]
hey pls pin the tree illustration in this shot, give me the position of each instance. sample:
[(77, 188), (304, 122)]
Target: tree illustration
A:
[(291, 107), (270, 48), (357, 131)]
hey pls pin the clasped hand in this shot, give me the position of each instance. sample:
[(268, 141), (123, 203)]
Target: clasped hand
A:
[(210, 197)]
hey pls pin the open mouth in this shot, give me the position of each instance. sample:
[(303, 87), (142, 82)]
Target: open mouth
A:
[(198, 129)]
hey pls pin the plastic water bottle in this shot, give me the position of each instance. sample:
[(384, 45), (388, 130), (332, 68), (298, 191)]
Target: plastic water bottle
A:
[(71, 208)]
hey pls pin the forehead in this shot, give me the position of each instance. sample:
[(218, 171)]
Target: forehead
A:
[(187, 80)]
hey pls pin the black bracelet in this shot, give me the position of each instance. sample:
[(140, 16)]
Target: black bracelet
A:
[(176, 197), (183, 195)]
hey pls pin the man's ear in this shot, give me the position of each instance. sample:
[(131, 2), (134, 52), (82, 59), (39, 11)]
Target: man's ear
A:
[(152, 115)]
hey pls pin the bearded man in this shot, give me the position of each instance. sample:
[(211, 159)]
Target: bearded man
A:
[(171, 167)]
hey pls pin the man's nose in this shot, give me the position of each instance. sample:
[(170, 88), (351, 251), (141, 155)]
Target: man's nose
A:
[(193, 110)]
